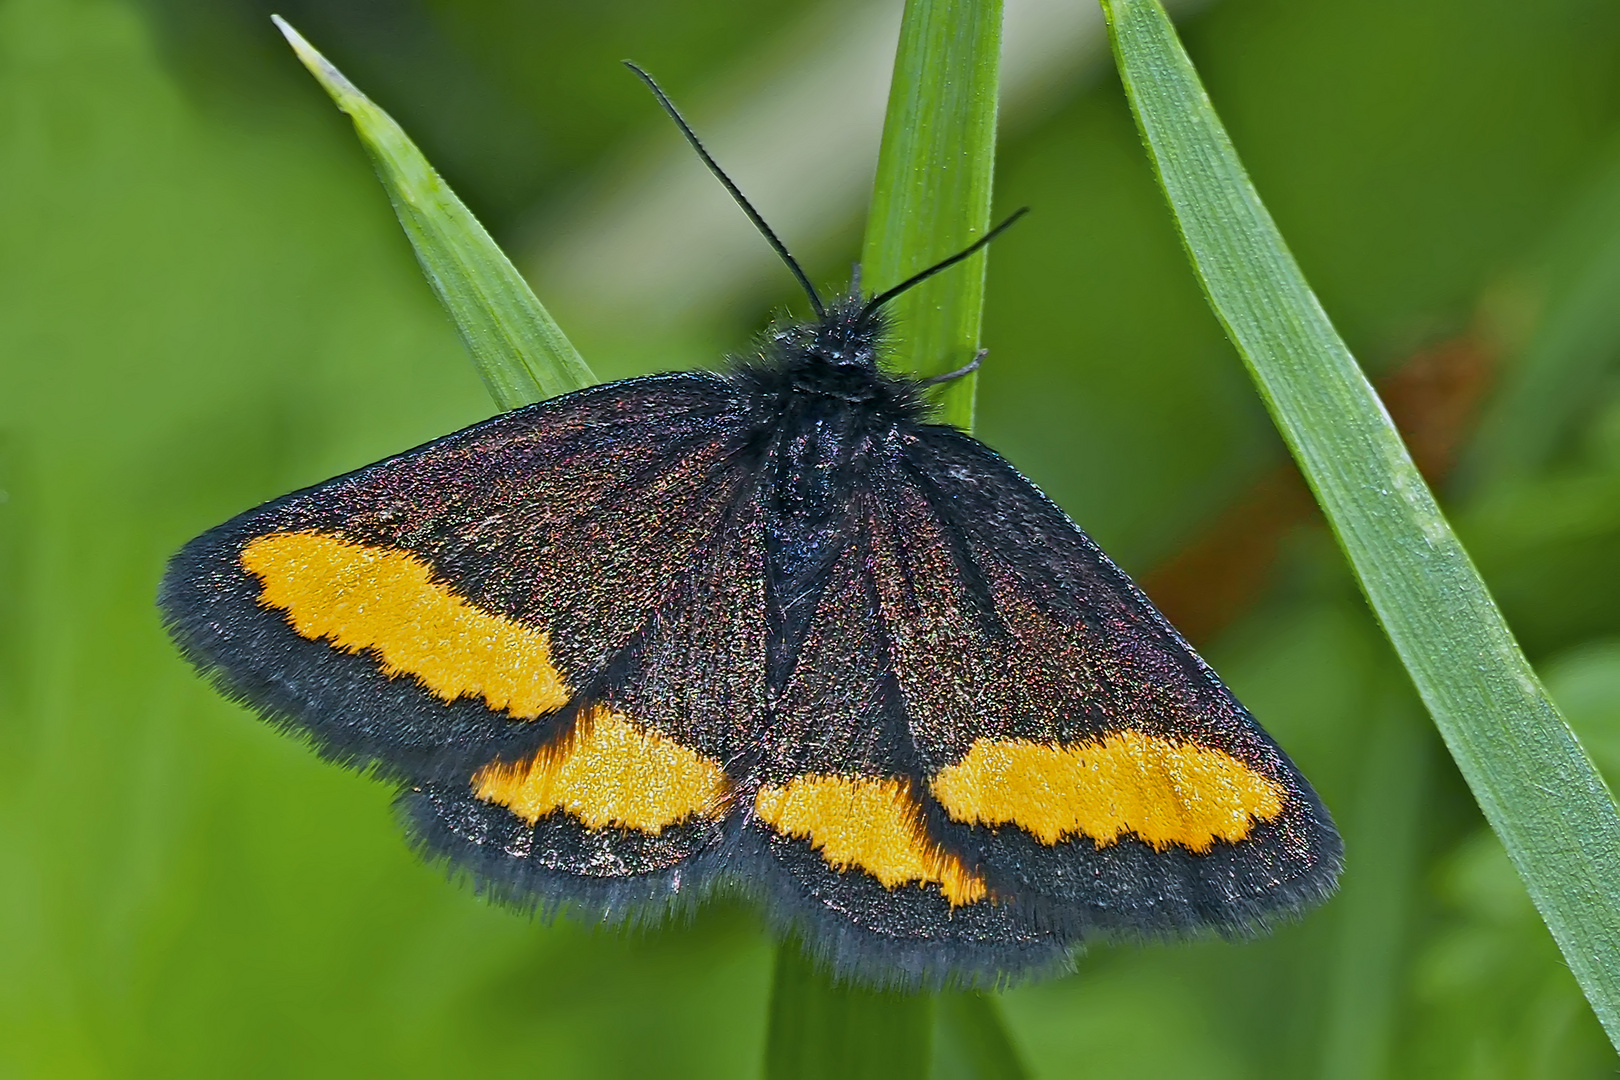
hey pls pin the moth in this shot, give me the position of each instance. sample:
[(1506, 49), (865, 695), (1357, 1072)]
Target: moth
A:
[(764, 630)]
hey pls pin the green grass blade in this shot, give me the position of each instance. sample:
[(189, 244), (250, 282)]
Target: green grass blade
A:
[(1531, 777), (931, 199), (819, 1029), (932, 196), (522, 355), (971, 1040), (1375, 910)]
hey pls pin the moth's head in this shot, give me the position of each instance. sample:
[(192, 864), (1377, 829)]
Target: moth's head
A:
[(833, 355), (847, 336)]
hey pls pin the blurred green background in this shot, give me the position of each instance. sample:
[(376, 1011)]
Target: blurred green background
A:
[(205, 302)]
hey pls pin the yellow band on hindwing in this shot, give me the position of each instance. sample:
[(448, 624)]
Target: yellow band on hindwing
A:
[(362, 597), (868, 823), (1125, 783), (609, 772)]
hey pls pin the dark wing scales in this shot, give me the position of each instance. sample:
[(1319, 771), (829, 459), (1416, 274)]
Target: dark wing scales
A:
[(493, 575), (1084, 759)]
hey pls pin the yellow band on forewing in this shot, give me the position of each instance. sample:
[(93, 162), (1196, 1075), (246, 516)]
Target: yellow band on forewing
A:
[(1125, 783), (360, 597), (611, 771), (868, 823)]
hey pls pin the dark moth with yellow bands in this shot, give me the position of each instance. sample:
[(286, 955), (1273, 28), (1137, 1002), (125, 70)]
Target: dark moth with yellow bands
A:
[(765, 631)]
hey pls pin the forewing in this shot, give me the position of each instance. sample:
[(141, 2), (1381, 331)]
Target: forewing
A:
[(1081, 755), (465, 601)]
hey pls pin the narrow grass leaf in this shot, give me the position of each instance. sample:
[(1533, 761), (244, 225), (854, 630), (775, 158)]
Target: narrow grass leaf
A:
[(971, 1040), (1531, 777), (522, 355), (1376, 910), (820, 1029), (931, 199), (932, 196)]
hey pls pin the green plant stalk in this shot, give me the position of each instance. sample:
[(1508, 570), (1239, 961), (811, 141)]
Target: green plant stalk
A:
[(1534, 782), (932, 195), (819, 1030), (1375, 910), (931, 199), (971, 1040), (519, 351)]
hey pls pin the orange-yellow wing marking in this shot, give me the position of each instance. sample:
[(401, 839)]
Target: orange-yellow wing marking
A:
[(611, 771), (361, 597), (1127, 782), (870, 823)]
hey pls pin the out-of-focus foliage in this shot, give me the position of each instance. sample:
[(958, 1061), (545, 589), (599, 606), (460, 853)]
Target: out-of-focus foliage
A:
[(206, 302)]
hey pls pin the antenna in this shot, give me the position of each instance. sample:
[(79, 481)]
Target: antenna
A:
[(742, 201), (917, 279)]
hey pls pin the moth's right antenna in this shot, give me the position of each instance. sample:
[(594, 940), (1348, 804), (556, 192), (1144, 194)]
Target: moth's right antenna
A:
[(736, 193), (918, 278)]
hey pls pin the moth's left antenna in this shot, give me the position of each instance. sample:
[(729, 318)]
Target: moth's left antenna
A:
[(736, 193), (917, 279)]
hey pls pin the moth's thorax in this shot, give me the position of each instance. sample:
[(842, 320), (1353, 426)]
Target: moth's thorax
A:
[(823, 416)]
